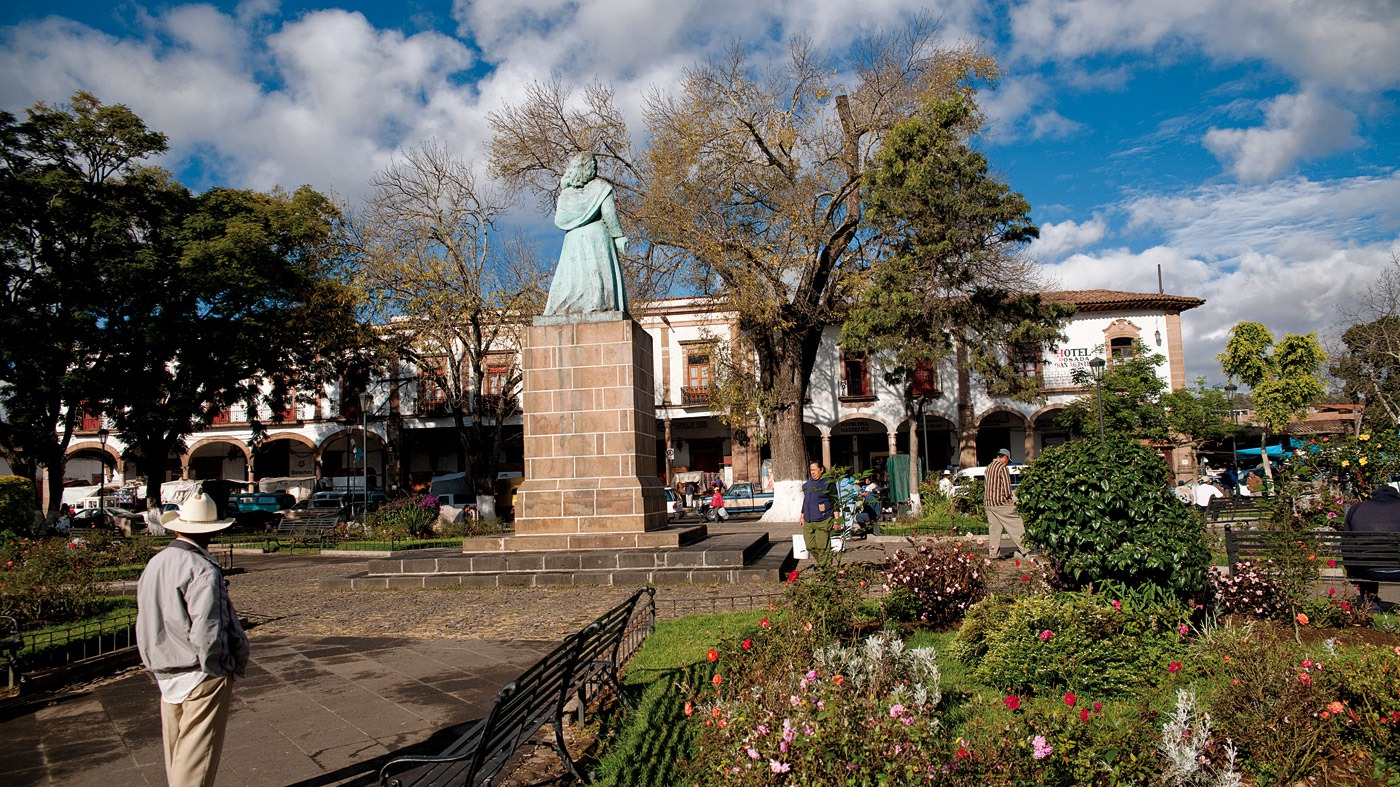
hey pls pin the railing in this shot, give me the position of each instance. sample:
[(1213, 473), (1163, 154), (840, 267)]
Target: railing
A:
[(431, 407), (81, 641), (695, 395)]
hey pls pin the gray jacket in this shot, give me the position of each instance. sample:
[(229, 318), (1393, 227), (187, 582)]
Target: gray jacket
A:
[(185, 620)]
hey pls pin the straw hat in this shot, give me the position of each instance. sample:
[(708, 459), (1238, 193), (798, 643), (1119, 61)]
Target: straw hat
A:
[(196, 515)]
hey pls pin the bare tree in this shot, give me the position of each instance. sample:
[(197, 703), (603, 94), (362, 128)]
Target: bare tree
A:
[(1368, 359), (750, 190), (432, 264)]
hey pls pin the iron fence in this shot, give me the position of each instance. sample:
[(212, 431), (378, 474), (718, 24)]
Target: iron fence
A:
[(57, 647)]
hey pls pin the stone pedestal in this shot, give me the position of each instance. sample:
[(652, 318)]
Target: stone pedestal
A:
[(590, 438)]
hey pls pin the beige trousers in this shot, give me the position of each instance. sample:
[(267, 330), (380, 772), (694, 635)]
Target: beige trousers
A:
[(1001, 518), (194, 733)]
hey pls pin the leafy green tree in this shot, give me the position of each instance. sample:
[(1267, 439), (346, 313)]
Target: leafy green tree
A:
[(953, 282), (1132, 401), (74, 202), (1198, 415), (235, 300), (1283, 378)]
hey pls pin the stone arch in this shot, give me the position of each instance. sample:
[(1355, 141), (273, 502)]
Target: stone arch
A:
[(856, 440), (94, 450), (1004, 427), (1046, 431), (283, 454), (209, 469), (334, 458)]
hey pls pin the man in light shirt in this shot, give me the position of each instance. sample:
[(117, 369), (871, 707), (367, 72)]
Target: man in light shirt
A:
[(190, 639), (1206, 492)]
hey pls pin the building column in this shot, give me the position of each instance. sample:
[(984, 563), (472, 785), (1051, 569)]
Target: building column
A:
[(670, 462), (826, 451), (1030, 443), (892, 434)]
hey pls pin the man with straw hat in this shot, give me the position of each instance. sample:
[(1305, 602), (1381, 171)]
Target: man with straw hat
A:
[(191, 641)]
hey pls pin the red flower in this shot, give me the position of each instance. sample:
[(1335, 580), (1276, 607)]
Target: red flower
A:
[(689, 709), (1305, 679), (747, 644), (1012, 703), (792, 575), (963, 753), (839, 680), (717, 680), (764, 623), (1331, 563), (712, 655), (1069, 698), (1025, 578), (1174, 667), (1098, 706), (1084, 714), (1018, 562)]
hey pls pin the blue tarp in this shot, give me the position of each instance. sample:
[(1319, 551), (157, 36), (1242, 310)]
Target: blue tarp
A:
[(1274, 450)]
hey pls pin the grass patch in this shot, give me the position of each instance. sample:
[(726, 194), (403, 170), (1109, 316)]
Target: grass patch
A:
[(937, 526), (114, 573), (651, 745)]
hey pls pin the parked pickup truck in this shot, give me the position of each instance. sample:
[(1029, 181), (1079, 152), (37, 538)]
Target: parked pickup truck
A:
[(741, 498)]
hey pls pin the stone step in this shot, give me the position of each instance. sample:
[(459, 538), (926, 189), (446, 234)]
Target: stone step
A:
[(727, 551), (768, 565)]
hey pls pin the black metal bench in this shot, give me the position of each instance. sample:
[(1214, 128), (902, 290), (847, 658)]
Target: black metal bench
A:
[(1359, 553), (317, 527), (1237, 509), (534, 700)]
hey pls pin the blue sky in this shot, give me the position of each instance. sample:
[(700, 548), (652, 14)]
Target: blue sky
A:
[(1248, 147)]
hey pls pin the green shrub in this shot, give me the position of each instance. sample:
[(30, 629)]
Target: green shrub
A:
[(17, 504), (1047, 644), (48, 581), (1102, 511), (409, 516), (934, 583), (972, 501)]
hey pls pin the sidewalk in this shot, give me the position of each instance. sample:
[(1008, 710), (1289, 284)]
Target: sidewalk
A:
[(311, 712)]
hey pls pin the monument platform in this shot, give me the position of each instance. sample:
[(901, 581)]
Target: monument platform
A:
[(731, 558)]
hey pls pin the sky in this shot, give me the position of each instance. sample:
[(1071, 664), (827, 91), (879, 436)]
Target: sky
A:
[(1250, 148)]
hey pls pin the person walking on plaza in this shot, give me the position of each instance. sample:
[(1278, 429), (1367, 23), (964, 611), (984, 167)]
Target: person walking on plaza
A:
[(190, 639), (818, 512), (1001, 508), (717, 504)]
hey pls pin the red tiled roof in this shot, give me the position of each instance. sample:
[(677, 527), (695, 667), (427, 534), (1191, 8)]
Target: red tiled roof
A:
[(1110, 300)]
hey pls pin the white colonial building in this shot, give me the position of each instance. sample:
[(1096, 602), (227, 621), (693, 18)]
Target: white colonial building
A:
[(853, 417)]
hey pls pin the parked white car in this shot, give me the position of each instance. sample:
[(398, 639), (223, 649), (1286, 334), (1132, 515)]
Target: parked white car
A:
[(965, 476)]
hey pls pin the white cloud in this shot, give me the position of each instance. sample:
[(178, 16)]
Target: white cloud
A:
[(1299, 126), (1229, 220), (1291, 255), (1346, 44), (1059, 238)]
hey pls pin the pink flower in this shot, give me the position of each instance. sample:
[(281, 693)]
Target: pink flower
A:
[(1118, 605), (1046, 635), (1098, 706), (1042, 749), (753, 754), (1182, 629), (1013, 702), (778, 767), (1069, 698), (1174, 667), (1331, 564)]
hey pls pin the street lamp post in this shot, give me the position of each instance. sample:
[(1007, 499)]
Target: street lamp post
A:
[(366, 401), (102, 435), (1096, 367), (1360, 409), (1230, 389)]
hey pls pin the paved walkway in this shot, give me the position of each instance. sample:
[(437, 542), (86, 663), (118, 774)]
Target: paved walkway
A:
[(324, 711), (334, 686)]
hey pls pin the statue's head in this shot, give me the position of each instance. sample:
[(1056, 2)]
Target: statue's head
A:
[(583, 167)]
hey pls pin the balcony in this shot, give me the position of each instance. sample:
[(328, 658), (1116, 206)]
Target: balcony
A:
[(431, 407), (695, 397)]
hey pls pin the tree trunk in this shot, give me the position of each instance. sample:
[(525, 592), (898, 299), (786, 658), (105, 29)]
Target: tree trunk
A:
[(915, 502), (794, 363), (1264, 457), (967, 427)]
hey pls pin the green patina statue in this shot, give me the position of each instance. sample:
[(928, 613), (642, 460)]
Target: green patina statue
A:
[(589, 276)]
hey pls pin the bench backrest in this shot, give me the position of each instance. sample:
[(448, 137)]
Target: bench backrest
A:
[(1354, 549), (527, 703), (618, 634)]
